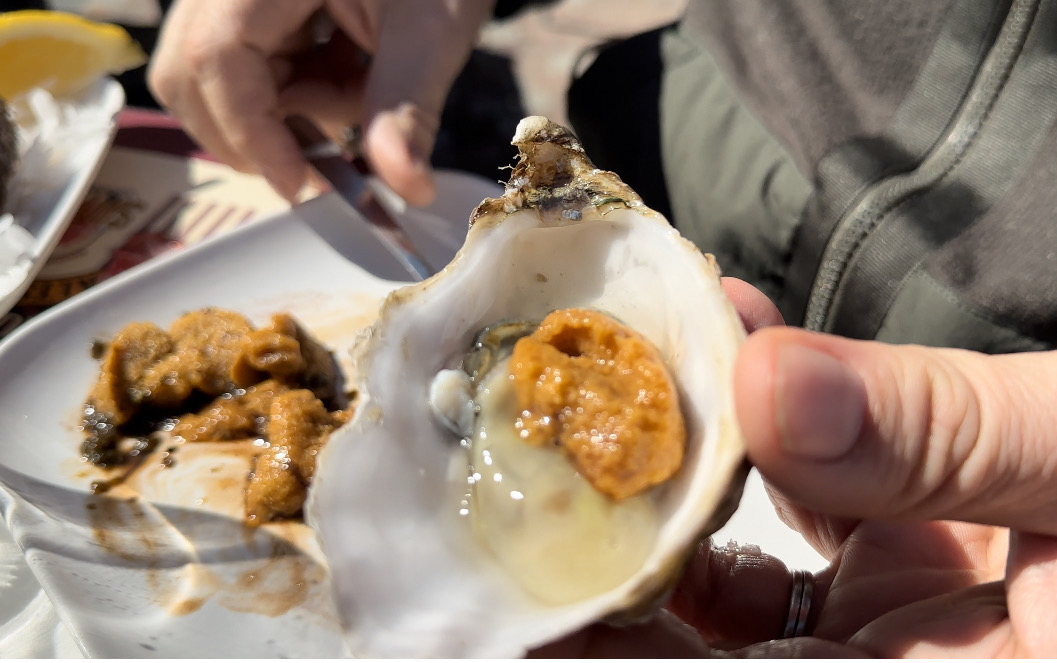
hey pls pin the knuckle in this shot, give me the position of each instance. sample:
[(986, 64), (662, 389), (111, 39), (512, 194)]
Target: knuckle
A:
[(954, 414), (162, 82), (240, 139), (200, 51), (953, 459)]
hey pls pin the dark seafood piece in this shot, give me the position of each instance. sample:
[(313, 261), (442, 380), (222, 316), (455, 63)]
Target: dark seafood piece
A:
[(8, 151)]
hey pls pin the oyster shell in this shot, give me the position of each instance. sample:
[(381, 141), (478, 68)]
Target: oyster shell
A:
[(411, 577)]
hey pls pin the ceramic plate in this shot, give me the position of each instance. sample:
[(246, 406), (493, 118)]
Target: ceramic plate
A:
[(174, 573), (137, 578)]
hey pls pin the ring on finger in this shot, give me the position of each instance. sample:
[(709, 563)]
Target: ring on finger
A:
[(799, 604)]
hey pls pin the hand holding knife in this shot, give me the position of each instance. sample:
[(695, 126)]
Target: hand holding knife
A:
[(348, 179)]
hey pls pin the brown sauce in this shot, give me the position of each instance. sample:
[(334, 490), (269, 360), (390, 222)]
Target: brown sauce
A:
[(157, 502), (272, 570)]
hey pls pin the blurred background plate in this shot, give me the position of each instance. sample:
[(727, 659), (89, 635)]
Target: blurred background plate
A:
[(45, 212)]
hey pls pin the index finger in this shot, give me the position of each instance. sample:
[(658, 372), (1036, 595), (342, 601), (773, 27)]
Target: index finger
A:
[(754, 308), (230, 60), (407, 87), (239, 93)]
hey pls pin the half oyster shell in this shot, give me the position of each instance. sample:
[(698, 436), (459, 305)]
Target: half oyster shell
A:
[(411, 576)]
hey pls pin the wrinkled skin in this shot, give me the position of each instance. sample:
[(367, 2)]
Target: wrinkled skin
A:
[(872, 452), (231, 71)]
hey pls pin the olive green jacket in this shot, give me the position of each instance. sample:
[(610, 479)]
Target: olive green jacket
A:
[(882, 169)]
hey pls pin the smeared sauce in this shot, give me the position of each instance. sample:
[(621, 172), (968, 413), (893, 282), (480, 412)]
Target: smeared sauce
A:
[(144, 516), (140, 449)]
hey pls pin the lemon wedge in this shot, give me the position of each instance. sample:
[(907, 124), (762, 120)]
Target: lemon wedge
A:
[(60, 52)]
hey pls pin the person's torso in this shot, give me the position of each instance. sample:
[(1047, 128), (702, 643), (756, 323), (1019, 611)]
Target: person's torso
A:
[(887, 170)]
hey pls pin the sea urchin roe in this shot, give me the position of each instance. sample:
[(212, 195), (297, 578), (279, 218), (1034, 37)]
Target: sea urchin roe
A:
[(213, 377), (601, 392)]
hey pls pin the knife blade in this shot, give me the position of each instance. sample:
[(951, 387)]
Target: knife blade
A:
[(349, 181)]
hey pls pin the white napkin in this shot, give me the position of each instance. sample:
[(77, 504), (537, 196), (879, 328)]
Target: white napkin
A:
[(16, 253), (29, 627), (49, 131)]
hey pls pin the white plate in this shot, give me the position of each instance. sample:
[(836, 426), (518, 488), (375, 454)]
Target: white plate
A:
[(46, 211), (173, 577)]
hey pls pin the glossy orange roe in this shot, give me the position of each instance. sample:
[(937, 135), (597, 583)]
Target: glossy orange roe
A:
[(601, 392)]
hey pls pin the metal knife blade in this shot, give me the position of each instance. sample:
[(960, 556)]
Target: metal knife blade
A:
[(350, 183)]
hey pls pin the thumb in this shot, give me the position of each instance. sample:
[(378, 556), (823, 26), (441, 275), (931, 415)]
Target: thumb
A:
[(421, 49), (868, 430)]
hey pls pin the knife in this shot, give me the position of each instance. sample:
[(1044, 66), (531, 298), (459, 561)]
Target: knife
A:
[(349, 181)]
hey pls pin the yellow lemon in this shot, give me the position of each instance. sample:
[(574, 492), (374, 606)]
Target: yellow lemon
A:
[(60, 52)]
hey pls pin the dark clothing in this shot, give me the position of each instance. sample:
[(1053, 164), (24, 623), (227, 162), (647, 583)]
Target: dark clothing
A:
[(880, 169)]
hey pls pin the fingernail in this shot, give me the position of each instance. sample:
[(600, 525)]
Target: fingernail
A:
[(420, 164), (820, 403), (418, 152), (283, 184)]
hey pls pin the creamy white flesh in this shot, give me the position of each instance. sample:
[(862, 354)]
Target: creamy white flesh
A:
[(552, 531)]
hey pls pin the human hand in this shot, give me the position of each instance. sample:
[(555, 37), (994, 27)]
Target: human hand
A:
[(231, 71), (872, 452)]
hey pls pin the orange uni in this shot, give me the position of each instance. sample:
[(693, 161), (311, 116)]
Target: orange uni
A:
[(601, 392)]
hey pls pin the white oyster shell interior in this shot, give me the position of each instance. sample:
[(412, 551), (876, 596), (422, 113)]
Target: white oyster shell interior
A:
[(411, 579)]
